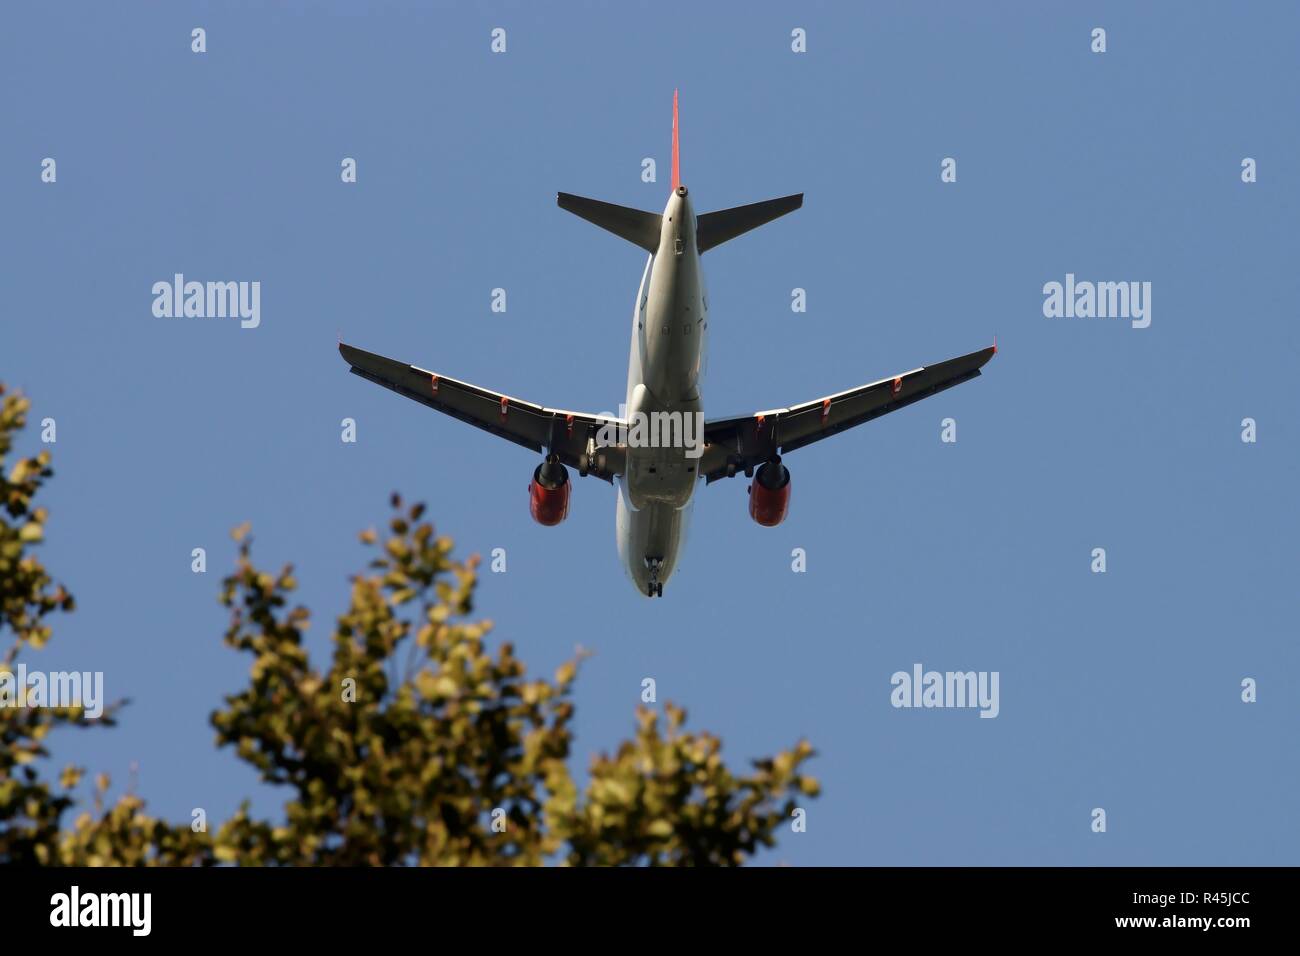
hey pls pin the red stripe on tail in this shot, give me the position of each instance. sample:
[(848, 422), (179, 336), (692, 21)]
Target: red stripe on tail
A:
[(677, 161)]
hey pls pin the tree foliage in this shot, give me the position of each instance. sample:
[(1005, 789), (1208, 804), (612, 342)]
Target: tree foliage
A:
[(419, 744)]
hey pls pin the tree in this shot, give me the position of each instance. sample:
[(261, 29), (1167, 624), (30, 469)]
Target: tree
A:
[(418, 744), (31, 809)]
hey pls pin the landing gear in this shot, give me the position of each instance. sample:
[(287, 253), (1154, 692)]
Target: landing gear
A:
[(656, 587)]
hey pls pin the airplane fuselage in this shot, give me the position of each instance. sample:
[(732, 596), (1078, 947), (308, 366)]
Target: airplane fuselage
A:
[(669, 342)]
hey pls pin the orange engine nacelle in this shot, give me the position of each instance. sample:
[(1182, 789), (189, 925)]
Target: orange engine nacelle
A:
[(769, 495), (548, 493)]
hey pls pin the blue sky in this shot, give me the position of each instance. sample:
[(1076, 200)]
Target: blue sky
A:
[(1118, 690)]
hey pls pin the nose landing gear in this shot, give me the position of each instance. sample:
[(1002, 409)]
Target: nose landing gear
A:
[(656, 587)]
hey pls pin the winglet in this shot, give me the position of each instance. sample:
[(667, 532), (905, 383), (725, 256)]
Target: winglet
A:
[(677, 164), (995, 345)]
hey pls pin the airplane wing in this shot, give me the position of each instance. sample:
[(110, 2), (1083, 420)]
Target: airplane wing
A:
[(740, 444), (570, 435)]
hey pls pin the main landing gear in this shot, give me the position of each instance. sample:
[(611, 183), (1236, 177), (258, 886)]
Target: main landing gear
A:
[(656, 587)]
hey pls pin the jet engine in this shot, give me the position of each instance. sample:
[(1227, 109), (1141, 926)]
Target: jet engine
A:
[(548, 493), (769, 495)]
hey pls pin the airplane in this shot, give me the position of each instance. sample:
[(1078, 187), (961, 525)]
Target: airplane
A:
[(656, 481)]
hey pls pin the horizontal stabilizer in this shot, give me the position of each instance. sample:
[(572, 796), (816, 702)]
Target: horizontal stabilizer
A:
[(715, 228), (634, 225)]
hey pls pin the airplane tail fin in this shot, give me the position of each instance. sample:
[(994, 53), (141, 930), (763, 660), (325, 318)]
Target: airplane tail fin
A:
[(677, 152), (715, 228), (643, 228), (636, 226)]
